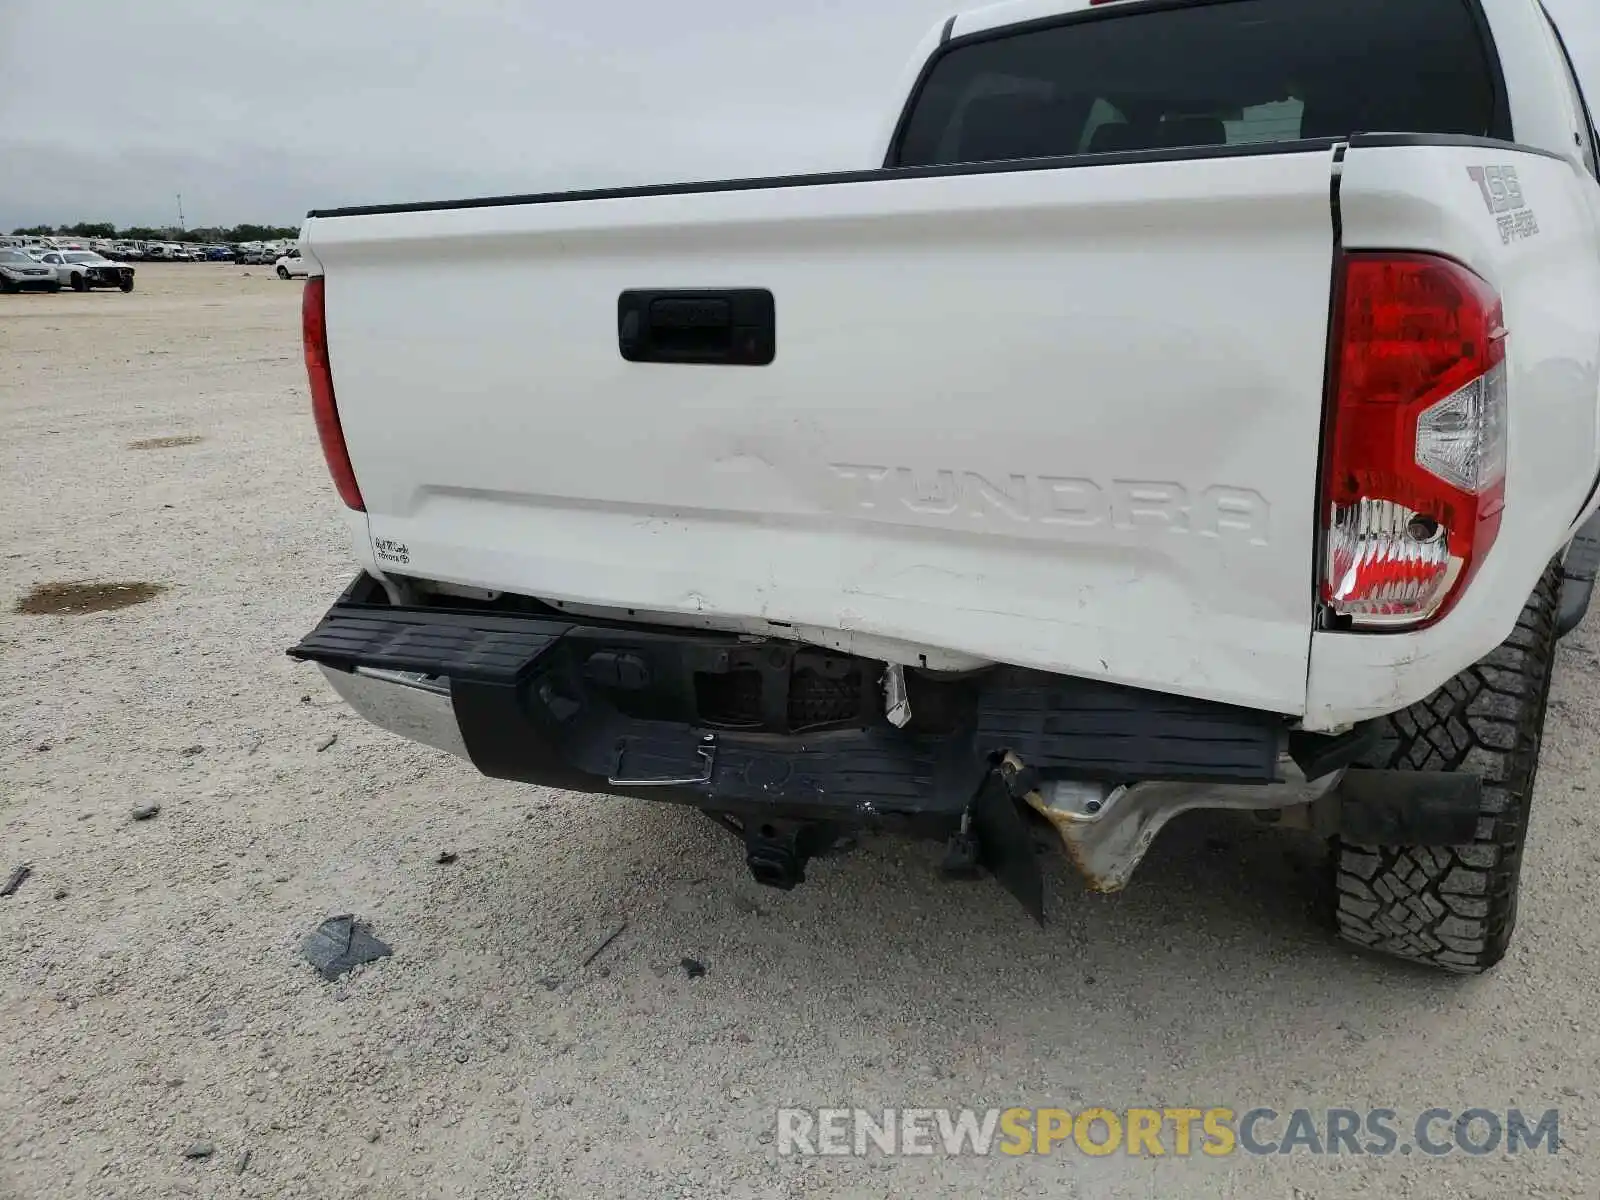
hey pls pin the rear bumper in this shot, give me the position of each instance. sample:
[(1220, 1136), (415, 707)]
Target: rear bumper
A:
[(415, 706), (654, 713), (792, 742)]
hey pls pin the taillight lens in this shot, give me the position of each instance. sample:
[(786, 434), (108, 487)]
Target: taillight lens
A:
[(314, 329), (1414, 481)]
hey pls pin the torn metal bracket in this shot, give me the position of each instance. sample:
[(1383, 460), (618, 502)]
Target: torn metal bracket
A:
[(1019, 779), (1107, 830), (896, 699)]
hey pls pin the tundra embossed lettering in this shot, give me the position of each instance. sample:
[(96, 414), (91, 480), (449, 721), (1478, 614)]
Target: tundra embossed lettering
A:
[(969, 497)]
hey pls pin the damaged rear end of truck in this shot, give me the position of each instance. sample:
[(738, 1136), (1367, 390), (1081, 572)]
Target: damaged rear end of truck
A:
[(1040, 480)]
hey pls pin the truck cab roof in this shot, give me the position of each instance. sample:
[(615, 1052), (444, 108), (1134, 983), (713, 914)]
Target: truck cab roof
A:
[(1012, 12)]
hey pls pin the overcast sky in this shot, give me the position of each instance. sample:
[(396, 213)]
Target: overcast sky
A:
[(256, 110)]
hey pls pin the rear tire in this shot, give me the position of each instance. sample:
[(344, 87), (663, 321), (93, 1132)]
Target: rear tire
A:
[(127, 284), (1455, 907), (80, 282), (283, 272)]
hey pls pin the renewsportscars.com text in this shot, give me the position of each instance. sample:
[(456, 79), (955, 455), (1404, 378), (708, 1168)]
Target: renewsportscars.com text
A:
[(1160, 1132)]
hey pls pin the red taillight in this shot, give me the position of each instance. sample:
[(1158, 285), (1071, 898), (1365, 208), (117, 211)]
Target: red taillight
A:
[(1414, 481), (314, 328)]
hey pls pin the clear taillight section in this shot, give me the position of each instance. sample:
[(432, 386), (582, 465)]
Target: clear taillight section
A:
[(1462, 439), (1414, 480)]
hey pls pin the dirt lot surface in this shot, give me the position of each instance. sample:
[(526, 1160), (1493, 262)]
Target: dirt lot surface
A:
[(154, 1002)]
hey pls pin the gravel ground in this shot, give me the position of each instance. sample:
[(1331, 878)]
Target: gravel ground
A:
[(152, 994)]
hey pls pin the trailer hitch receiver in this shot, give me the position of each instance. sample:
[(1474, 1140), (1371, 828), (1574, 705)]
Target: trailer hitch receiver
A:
[(777, 851)]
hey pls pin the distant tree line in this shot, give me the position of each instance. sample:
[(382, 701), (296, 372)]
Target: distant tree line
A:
[(141, 233)]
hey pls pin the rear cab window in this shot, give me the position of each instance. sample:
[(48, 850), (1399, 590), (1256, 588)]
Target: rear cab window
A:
[(1206, 73)]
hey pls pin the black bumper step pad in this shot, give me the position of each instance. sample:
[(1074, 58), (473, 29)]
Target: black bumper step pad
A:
[(483, 648)]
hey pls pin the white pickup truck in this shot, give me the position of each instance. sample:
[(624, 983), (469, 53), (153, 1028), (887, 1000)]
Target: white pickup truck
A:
[(1199, 408)]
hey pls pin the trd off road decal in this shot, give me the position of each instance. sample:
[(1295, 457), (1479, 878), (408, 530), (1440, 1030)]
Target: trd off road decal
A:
[(1502, 196)]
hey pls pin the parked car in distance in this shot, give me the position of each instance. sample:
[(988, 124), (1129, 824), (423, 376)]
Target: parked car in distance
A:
[(291, 265), (83, 270), (22, 272)]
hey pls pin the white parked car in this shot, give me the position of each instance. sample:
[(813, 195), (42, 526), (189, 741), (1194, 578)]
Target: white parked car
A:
[(291, 265), (84, 270)]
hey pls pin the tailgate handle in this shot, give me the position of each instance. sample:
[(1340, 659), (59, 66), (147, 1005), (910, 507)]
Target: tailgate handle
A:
[(706, 326)]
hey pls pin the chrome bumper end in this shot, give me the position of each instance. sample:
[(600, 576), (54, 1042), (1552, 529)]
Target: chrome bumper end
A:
[(412, 705)]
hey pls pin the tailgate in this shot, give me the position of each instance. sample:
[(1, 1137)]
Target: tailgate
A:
[(1066, 419)]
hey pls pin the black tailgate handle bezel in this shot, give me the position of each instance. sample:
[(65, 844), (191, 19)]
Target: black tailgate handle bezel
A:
[(705, 326)]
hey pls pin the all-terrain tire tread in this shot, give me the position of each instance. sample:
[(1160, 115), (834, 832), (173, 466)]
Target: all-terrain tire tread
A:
[(1455, 907)]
